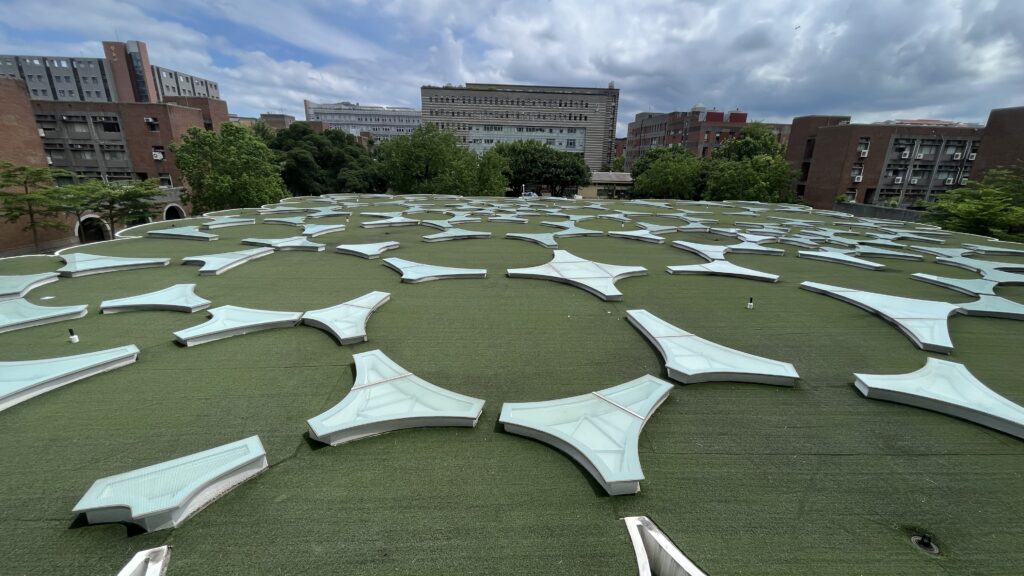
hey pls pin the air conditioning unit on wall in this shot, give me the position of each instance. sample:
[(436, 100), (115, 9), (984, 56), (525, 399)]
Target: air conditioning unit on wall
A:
[(913, 180), (905, 155), (858, 178), (157, 155), (972, 156), (949, 181), (863, 153), (957, 156), (919, 157), (898, 180)]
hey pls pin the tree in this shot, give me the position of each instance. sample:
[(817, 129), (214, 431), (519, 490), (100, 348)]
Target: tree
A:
[(671, 176), (563, 170), (263, 131), (430, 161), (76, 200), (533, 162), (992, 207), (651, 156), (525, 160), (125, 202), (753, 140), (762, 178), (492, 174), (618, 164), (229, 169), (316, 163), (27, 192)]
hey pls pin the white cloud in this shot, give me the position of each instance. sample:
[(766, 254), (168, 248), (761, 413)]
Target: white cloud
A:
[(873, 59)]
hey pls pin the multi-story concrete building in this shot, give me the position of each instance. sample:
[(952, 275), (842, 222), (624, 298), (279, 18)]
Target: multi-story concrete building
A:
[(900, 162), (381, 122), (172, 83), (124, 74), (577, 120), (701, 131)]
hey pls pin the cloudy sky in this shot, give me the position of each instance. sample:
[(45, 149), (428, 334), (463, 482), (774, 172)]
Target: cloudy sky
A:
[(873, 59)]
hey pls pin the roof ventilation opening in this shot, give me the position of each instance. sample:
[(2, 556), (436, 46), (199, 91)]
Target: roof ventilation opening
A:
[(924, 543)]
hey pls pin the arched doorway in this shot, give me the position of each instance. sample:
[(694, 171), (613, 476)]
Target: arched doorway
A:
[(173, 212), (93, 230)]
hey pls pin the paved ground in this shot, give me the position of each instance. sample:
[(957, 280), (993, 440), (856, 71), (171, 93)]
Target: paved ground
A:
[(745, 478)]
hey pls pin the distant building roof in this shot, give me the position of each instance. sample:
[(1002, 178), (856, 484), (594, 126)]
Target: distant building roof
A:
[(921, 122)]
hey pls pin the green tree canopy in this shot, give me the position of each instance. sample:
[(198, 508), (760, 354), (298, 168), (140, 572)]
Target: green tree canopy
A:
[(430, 161), (28, 192), (762, 178), (671, 176), (76, 200), (533, 162), (992, 207), (753, 140), (229, 169), (316, 163), (263, 131), (618, 164), (651, 156), (125, 201)]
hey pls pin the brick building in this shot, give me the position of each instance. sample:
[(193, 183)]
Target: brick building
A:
[(117, 141), (277, 121), (20, 144), (112, 118), (902, 163), (620, 148), (701, 131)]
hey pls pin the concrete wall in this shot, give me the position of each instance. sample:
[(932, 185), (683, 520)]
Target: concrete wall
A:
[(873, 211)]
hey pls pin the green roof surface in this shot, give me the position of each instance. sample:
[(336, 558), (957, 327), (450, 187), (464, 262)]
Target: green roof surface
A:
[(745, 478)]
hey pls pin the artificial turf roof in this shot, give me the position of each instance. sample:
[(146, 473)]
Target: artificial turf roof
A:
[(745, 478)]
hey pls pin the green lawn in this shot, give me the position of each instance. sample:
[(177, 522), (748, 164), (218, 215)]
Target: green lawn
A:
[(745, 478)]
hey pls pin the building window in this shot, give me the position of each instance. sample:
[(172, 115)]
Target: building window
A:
[(550, 141), (165, 179), (158, 153), (570, 143), (111, 127)]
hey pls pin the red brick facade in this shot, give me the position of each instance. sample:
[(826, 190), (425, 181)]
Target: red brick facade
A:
[(20, 144)]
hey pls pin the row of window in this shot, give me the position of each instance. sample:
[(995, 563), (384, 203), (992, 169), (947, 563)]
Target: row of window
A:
[(527, 129), (189, 79), (500, 101), (510, 115), (569, 143)]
